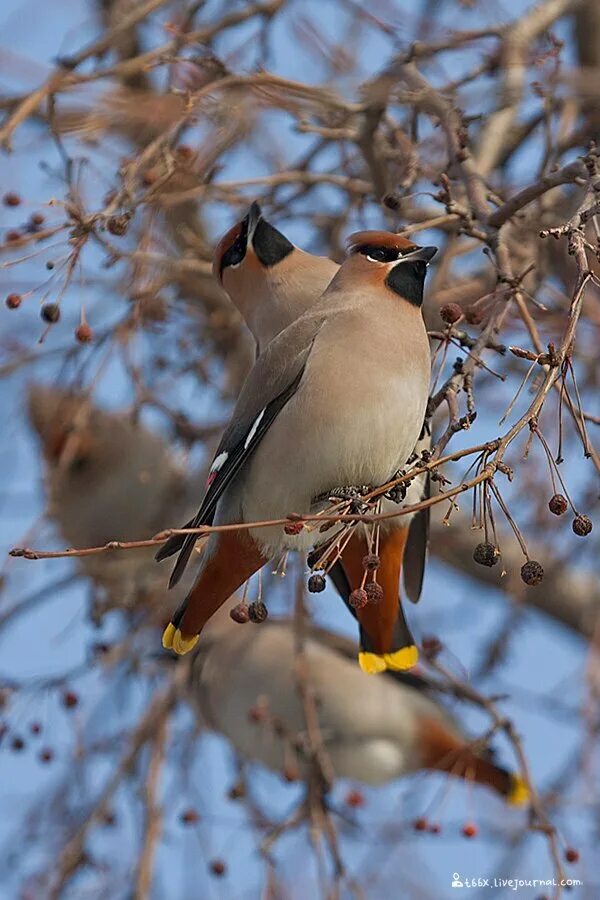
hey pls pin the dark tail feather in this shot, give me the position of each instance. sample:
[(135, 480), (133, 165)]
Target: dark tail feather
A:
[(183, 558), (415, 555), (173, 545)]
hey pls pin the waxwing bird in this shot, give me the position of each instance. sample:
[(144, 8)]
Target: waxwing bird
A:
[(269, 280), (272, 282), (337, 398), (373, 730)]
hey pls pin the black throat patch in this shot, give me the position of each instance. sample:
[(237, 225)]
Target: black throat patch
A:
[(270, 245), (407, 280)]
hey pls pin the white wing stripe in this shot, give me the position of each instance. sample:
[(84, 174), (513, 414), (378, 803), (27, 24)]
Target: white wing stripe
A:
[(254, 429)]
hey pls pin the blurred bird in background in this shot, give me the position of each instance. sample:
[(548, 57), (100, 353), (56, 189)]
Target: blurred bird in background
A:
[(373, 730)]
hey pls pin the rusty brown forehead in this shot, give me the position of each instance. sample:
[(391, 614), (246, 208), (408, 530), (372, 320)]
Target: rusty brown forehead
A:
[(379, 239)]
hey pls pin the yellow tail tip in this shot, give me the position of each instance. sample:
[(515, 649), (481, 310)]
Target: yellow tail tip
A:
[(518, 794), (371, 663), (402, 659), (176, 640), (398, 661)]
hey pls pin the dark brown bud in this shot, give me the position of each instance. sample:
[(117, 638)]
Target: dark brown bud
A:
[(17, 744), (257, 612), (358, 598), (50, 312), (189, 816), (371, 562), (118, 225), (70, 699), (374, 592), (240, 613), (571, 855), (12, 236), (37, 219), (46, 755), (451, 313), (218, 867), (237, 791), (83, 333), (13, 301), (582, 525), (532, 572), (35, 728), (420, 824), (11, 199), (485, 554), (316, 584), (558, 504), (49, 265)]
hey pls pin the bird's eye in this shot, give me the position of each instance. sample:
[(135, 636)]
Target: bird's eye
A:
[(380, 254), (236, 253)]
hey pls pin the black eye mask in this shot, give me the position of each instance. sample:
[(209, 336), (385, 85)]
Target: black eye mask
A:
[(235, 254)]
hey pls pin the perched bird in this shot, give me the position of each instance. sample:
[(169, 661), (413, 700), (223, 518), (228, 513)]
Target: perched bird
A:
[(106, 478), (372, 730), (269, 280), (272, 282), (337, 398)]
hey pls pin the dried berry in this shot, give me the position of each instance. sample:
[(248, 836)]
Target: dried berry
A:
[(12, 236), (571, 855), (11, 199), (189, 816), (532, 572), (293, 527), (257, 612), (17, 744), (35, 728), (469, 830), (37, 219), (582, 525), (451, 313), (118, 225), (46, 755), (13, 301), (50, 312), (432, 646), (474, 315), (83, 333), (358, 598), (316, 584), (374, 592), (371, 562), (218, 867), (240, 613), (558, 504), (355, 799), (70, 699), (435, 828), (485, 554), (49, 265), (420, 824)]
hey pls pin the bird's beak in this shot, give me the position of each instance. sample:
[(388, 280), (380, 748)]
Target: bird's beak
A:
[(254, 216), (425, 254)]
